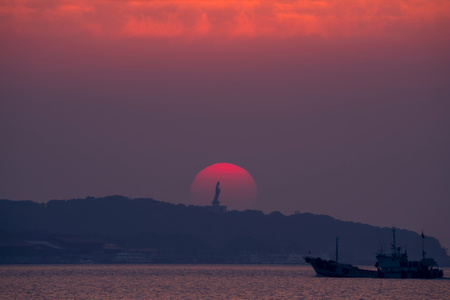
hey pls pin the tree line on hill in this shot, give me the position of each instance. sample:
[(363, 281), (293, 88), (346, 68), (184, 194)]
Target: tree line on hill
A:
[(192, 230)]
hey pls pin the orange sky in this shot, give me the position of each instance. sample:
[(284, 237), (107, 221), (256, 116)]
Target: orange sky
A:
[(318, 100), (223, 19)]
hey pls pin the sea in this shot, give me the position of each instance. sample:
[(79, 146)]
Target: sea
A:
[(150, 281)]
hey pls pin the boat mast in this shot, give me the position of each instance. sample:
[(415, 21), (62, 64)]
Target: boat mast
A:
[(423, 246), (337, 249), (395, 250), (394, 245)]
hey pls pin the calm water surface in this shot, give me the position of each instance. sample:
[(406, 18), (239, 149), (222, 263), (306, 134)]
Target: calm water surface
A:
[(203, 282)]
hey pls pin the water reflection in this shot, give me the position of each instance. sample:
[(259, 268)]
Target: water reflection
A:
[(202, 281)]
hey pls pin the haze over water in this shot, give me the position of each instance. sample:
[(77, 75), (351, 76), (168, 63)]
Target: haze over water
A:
[(203, 282)]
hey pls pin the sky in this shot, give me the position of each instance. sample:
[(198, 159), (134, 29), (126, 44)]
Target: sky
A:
[(334, 107)]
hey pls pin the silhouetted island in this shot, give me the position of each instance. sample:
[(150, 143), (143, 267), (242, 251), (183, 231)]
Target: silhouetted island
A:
[(119, 229)]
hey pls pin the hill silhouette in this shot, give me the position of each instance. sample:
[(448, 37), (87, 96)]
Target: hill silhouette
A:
[(192, 232)]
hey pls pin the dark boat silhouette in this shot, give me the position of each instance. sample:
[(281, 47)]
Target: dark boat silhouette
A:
[(394, 265), (331, 268)]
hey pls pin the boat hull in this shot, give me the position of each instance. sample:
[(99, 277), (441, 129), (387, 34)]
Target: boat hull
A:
[(330, 268), (424, 274)]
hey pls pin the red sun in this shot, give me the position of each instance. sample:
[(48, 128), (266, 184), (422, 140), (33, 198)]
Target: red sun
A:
[(238, 189)]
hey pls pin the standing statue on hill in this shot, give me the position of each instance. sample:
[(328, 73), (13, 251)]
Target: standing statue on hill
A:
[(216, 196)]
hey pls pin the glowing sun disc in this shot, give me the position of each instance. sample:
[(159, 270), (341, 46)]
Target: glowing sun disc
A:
[(238, 188)]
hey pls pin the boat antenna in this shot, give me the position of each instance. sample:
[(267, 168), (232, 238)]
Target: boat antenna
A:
[(337, 249), (423, 246), (394, 245)]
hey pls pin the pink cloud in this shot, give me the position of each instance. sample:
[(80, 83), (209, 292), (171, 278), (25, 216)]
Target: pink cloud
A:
[(145, 26), (223, 19)]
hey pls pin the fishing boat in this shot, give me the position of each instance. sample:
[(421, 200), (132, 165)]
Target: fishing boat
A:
[(332, 268), (397, 265), (394, 265)]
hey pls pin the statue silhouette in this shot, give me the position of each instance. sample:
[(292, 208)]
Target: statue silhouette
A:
[(216, 196)]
